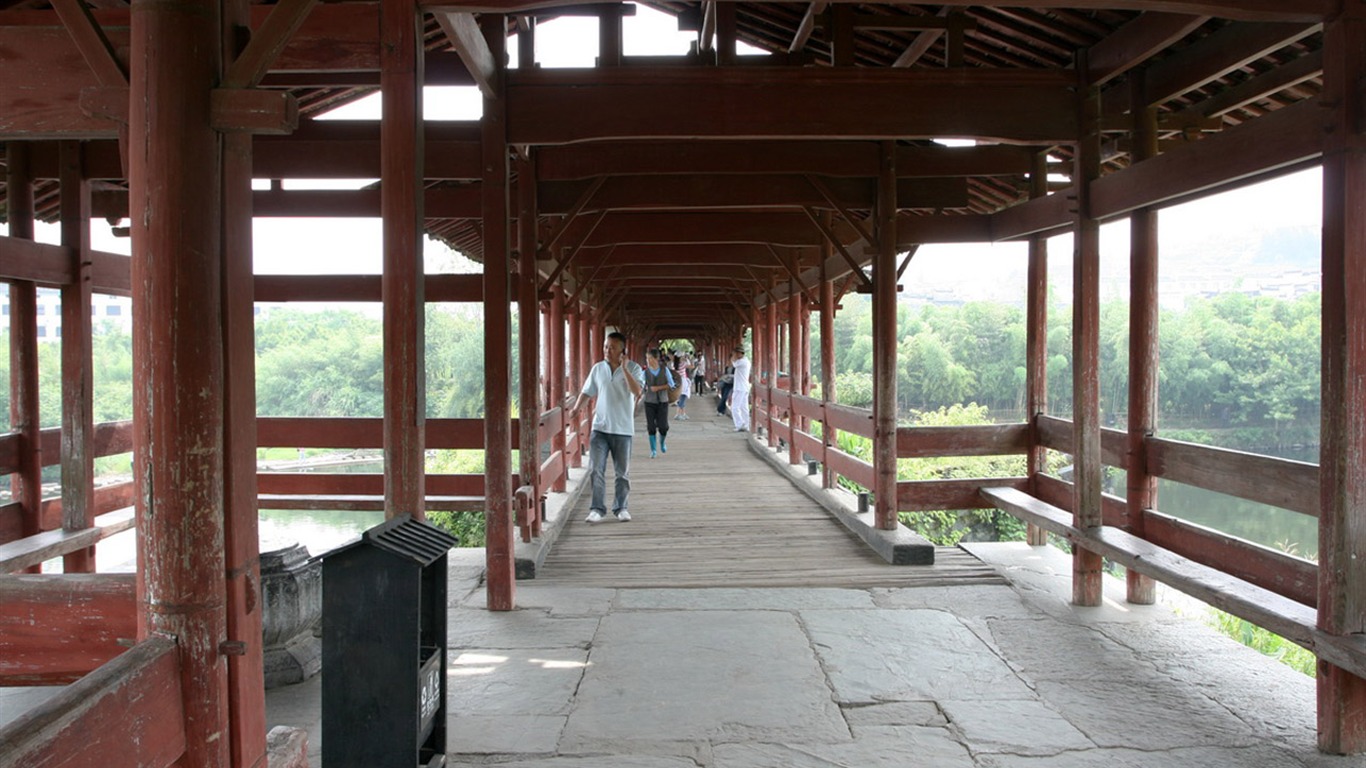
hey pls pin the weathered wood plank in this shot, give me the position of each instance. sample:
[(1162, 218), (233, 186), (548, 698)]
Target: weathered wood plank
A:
[(710, 514), (56, 628), (126, 713), (985, 440), (33, 550), (1284, 483)]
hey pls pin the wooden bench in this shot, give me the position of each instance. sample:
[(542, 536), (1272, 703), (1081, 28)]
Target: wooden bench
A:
[(1292, 620), (362, 502), (34, 550)]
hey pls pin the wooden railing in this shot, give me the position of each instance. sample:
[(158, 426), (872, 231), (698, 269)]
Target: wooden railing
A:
[(1291, 485), (127, 712), (112, 504)]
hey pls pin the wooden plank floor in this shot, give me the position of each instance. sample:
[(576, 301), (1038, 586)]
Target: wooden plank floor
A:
[(709, 513)]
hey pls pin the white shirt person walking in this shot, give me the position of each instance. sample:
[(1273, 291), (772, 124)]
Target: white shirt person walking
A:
[(739, 394), (616, 383)]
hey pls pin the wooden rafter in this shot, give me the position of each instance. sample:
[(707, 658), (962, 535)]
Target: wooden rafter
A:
[(462, 31), (839, 246), (91, 41), (844, 212), (807, 25), (266, 43), (573, 251)]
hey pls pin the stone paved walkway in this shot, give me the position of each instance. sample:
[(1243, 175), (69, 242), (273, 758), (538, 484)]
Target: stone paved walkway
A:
[(986, 676)]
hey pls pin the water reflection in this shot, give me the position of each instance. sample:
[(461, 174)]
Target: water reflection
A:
[(319, 531), (1269, 526)]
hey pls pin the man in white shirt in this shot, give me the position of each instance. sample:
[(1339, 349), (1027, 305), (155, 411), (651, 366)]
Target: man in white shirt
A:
[(739, 393), (616, 383)]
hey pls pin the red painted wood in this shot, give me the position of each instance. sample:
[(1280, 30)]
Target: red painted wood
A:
[(884, 346), (1283, 574), (402, 283), (556, 374), (25, 423), (317, 432), (1342, 529), (175, 187), (499, 560), (985, 440), (78, 406), (529, 370), (1086, 509), (1036, 341), (557, 107), (1141, 485), (1265, 479), (126, 714), (241, 539), (958, 493), (54, 629), (856, 470), (829, 433)]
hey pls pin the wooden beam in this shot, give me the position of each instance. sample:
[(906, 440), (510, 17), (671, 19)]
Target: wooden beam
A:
[(805, 27), (1224, 51), (462, 32), (1302, 69), (266, 43), (832, 159), (922, 43), (254, 111), (91, 41), (1136, 42), (1009, 106), (127, 712), (55, 629), (743, 192)]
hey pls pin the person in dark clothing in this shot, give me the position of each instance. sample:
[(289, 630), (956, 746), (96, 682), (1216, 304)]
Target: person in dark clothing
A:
[(658, 381), (726, 383)]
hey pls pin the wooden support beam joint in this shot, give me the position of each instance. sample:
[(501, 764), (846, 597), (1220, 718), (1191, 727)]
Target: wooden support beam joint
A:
[(248, 110)]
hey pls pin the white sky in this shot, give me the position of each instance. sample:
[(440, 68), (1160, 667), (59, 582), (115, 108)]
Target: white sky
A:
[(353, 246)]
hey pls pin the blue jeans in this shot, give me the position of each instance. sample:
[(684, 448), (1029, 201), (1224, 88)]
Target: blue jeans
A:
[(599, 445)]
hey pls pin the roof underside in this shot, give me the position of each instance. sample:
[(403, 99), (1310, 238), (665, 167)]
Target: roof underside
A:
[(1204, 75)]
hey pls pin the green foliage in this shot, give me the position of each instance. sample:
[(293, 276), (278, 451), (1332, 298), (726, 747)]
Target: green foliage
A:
[(1263, 641), (466, 526)]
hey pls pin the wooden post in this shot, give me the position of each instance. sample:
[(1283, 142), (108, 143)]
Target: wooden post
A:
[(1141, 486), (772, 358), (1036, 343), (544, 383), (26, 485), (500, 562), (1342, 520), (758, 354), (794, 365), (1086, 489), (402, 281), (78, 400), (528, 328), (827, 365), (884, 344), (555, 372), (246, 672), (175, 204)]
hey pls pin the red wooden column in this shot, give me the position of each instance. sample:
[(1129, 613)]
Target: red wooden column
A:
[(577, 329), (828, 433), (26, 485), (884, 344), (555, 373), (794, 365), (1036, 342), (246, 672), (772, 356), (500, 562), (1342, 521), (1141, 486), (758, 353), (528, 330), (175, 204), (402, 282), (78, 399), (1086, 490)]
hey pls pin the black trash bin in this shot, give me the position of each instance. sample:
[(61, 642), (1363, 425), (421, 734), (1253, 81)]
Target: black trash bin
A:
[(384, 648)]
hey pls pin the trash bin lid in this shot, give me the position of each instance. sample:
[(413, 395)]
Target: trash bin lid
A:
[(415, 540)]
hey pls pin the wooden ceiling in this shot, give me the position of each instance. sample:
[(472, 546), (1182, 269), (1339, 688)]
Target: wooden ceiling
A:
[(686, 185)]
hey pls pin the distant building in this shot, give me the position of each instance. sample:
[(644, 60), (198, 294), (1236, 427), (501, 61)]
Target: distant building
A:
[(117, 309)]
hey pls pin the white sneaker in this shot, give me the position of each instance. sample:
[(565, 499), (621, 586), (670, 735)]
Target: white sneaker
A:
[(594, 517), (623, 516)]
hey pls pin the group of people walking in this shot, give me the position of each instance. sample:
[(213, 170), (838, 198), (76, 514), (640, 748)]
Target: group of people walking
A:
[(616, 384)]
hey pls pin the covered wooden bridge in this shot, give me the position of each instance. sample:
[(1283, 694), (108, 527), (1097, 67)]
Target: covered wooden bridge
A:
[(704, 197)]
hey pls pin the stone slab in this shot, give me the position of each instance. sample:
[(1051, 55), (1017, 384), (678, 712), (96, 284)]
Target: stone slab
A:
[(1146, 715), (1196, 757), (514, 682), (597, 761), (556, 601), (882, 748), (742, 599), (860, 716), (667, 677), (521, 628), (895, 655), (1019, 727), (503, 734)]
